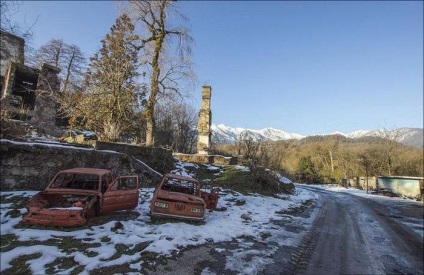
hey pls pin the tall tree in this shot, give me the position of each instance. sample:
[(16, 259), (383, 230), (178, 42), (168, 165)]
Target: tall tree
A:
[(112, 94), (166, 52)]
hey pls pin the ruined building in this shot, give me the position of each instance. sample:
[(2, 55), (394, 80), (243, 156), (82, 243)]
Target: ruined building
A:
[(204, 126), (24, 90)]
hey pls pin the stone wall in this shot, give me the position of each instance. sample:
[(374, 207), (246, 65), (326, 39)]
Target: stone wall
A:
[(212, 159), (30, 166), (361, 182), (159, 159)]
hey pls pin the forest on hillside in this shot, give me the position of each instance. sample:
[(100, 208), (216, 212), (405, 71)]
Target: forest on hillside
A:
[(328, 159)]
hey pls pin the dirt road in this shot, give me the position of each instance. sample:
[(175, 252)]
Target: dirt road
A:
[(355, 235)]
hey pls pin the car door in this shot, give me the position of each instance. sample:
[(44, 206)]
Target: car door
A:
[(121, 194)]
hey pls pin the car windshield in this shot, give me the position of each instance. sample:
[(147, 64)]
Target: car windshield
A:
[(76, 181)]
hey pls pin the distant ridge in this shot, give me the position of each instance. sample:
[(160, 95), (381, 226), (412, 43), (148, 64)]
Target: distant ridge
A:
[(225, 134)]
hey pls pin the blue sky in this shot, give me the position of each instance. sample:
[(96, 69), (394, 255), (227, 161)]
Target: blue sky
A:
[(303, 67)]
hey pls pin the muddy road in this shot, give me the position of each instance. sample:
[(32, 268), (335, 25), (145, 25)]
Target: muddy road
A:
[(349, 235)]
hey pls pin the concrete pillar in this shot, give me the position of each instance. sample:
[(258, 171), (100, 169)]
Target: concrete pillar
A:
[(204, 124)]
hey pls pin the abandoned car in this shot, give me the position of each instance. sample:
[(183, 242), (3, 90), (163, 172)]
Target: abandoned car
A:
[(181, 197), (73, 195)]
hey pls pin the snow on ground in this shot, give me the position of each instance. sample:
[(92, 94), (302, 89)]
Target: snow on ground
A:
[(164, 239), (50, 144)]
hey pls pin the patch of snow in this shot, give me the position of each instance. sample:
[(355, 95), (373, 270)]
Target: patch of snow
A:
[(242, 168)]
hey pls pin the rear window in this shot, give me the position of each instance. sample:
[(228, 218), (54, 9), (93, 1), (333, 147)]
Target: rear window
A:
[(180, 186)]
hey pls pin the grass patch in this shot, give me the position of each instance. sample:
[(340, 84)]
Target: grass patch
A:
[(20, 266), (65, 244), (120, 249), (17, 202), (105, 239), (203, 173), (61, 264), (69, 245), (115, 269), (7, 240), (231, 177), (237, 180)]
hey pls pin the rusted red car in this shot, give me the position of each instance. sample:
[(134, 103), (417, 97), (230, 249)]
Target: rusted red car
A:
[(181, 197), (73, 195)]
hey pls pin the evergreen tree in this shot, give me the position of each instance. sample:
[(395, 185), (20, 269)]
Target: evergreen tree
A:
[(112, 96)]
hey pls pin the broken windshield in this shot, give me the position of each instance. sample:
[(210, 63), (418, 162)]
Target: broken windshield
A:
[(181, 186), (76, 181)]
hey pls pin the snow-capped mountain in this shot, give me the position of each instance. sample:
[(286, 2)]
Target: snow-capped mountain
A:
[(226, 134), (407, 136)]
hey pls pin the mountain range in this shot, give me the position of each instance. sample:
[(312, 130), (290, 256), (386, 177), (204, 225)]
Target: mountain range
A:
[(225, 134)]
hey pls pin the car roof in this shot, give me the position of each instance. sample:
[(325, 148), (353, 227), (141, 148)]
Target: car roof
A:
[(84, 170)]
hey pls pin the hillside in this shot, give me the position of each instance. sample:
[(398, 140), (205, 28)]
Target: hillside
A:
[(226, 134)]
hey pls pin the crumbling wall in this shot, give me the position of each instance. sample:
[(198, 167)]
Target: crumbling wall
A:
[(11, 50), (30, 166), (28, 93)]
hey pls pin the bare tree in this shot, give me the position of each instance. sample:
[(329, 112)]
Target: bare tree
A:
[(166, 52), (186, 122), (176, 123), (68, 58), (53, 52), (7, 11)]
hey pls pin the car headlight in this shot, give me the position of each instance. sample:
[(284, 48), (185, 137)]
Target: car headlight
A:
[(161, 204)]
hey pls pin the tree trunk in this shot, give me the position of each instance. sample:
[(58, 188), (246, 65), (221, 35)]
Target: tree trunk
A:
[(150, 127), (331, 160), (150, 120)]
